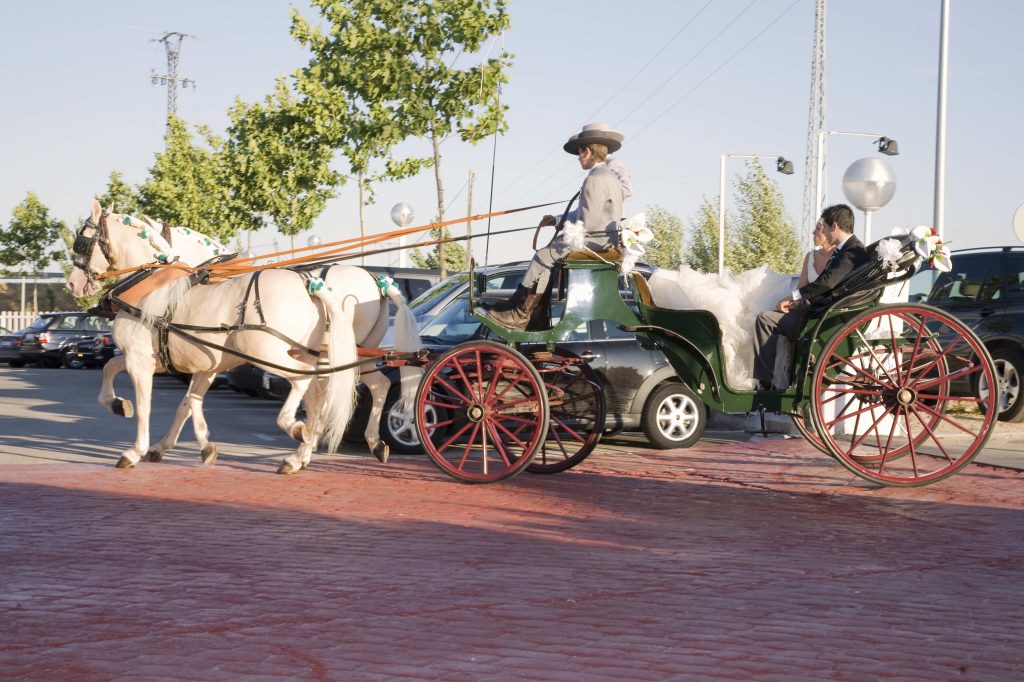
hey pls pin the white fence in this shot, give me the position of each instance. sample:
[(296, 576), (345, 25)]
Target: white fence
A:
[(14, 320)]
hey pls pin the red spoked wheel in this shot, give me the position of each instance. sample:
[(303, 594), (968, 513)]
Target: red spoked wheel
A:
[(495, 408), (577, 411), (882, 392), (806, 428)]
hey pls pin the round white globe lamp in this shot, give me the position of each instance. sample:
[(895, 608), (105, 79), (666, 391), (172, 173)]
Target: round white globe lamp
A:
[(869, 185)]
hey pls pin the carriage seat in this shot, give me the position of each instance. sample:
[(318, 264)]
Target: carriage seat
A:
[(613, 255)]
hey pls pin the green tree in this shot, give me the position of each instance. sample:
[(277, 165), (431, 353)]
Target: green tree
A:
[(665, 250), (702, 238), (274, 165), (398, 59), (119, 197), (759, 234), (27, 244), (184, 186), (454, 253), (764, 234)]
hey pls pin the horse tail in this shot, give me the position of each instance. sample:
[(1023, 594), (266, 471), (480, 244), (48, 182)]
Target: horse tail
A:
[(340, 390), (407, 340)]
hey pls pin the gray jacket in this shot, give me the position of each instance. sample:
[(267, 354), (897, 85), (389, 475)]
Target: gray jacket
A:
[(601, 203)]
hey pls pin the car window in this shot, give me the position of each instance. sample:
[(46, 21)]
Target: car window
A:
[(93, 324), (507, 280), (963, 283), (1009, 280), (68, 322), (453, 325), (40, 323), (427, 297)]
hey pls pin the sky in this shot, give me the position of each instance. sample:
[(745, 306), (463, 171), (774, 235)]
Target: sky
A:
[(686, 81)]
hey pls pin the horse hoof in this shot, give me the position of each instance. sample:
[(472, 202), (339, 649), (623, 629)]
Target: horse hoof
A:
[(125, 463), (286, 468), (305, 465), (122, 407), (209, 454), (381, 451), (154, 456), (298, 432)]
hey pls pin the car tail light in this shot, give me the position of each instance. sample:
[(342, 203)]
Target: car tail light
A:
[(44, 337), (105, 341)]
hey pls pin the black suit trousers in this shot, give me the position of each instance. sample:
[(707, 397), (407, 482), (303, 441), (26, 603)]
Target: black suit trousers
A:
[(770, 327)]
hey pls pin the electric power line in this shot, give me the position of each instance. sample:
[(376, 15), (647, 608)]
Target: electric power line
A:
[(172, 45)]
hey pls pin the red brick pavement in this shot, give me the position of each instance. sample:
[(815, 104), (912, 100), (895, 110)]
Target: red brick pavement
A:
[(728, 561)]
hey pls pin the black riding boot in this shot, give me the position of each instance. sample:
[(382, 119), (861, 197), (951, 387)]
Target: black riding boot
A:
[(516, 317)]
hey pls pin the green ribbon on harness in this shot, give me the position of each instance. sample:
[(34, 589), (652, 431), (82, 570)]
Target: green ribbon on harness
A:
[(384, 283), (314, 285)]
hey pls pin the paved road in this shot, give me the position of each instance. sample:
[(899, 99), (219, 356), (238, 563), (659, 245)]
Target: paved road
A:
[(736, 559)]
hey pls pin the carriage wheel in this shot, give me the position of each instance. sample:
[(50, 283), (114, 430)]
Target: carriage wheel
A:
[(495, 409), (806, 428), (883, 389), (577, 411)]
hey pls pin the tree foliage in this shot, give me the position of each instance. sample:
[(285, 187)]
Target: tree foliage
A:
[(665, 250), (391, 67), (119, 197), (758, 233), (274, 164), (454, 253), (184, 186), (28, 245), (764, 234)]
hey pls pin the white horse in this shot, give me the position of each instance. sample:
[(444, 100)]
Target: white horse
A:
[(125, 242)]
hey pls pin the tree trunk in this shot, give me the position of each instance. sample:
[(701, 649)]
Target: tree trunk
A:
[(361, 178), (440, 202)]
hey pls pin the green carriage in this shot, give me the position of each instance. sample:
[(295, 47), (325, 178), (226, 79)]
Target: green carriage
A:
[(878, 387)]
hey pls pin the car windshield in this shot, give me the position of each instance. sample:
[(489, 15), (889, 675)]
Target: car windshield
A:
[(40, 323), (454, 324), (424, 300)]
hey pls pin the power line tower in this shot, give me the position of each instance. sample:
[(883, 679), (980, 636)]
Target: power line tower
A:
[(815, 123), (172, 45)]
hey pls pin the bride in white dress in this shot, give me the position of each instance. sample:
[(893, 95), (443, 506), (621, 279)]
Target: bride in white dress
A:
[(817, 258)]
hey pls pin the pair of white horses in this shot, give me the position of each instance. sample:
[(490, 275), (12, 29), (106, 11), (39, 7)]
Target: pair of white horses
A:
[(349, 308)]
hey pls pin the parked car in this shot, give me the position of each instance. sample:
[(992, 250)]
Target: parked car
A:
[(91, 351), (45, 338), (10, 348), (985, 289)]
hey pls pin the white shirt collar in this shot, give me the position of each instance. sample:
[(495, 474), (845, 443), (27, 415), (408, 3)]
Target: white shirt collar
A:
[(840, 245)]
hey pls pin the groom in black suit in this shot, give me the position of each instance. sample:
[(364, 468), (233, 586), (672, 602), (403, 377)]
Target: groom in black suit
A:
[(788, 318)]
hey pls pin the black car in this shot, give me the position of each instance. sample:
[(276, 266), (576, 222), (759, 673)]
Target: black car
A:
[(985, 289), (10, 348), (92, 351), (44, 340)]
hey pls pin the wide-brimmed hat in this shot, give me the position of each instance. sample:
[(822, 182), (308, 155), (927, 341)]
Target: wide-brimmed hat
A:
[(600, 133)]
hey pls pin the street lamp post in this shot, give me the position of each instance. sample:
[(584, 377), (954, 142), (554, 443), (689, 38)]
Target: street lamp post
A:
[(781, 165), (886, 145), (402, 215)]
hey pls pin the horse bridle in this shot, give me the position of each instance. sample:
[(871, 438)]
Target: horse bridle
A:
[(84, 245)]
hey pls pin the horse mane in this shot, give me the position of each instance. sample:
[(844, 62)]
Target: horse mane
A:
[(164, 300)]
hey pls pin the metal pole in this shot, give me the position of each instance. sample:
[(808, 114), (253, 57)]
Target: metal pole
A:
[(819, 181), (939, 217), (867, 227), (721, 214)]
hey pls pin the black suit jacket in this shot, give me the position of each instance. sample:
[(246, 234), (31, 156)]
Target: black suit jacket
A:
[(850, 257)]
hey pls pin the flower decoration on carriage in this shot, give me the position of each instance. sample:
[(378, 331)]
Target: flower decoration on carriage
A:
[(575, 235), (889, 252), (930, 246), (635, 236)]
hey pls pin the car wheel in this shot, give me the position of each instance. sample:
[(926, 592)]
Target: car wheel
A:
[(16, 363), (399, 430), (73, 363), (1009, 368), (674, 417)]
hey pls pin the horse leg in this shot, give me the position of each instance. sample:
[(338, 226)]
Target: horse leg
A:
[(313, 401), (191, 405), (141, 365), (107, 398), (379, 386), (292, 426)]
